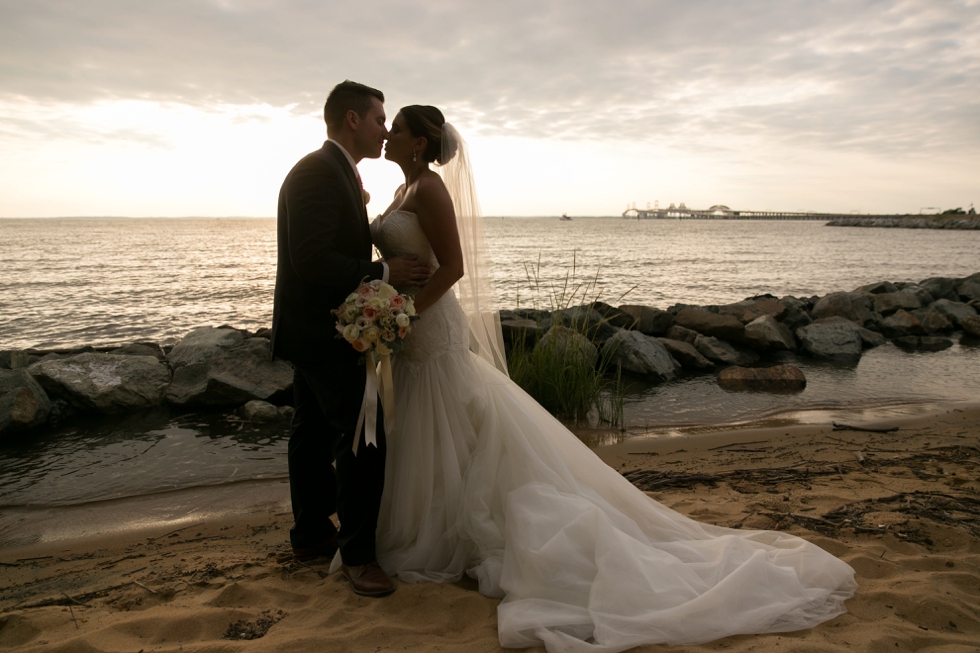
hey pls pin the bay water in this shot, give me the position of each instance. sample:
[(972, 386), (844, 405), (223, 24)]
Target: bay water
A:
[(105, 281)]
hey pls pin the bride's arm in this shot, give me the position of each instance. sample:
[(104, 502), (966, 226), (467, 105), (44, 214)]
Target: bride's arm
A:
[(437, 218)]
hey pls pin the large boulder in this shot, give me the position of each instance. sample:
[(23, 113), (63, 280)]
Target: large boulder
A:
[(779, 378), (586, 320), (765, 332), (570, 343), (796, 314), (522, 330), (640, 354), (848, 305), (901, 323), (888, 303), (232, 377), (685, 353), (614, 316), (104, 383), (971, 325), (201, 344), (879, 288), (717, 350), (683, 334), (969, 290), (941, 287), (750, 309), (932, 320), (649, 321), (726, 327), (923, 343), (23, 403), (13, 359), (833, 337), (954, 311)]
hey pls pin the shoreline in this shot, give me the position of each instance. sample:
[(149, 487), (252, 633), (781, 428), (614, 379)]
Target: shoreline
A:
[(180, 586)]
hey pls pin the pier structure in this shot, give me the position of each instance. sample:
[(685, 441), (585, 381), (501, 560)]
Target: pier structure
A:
[(722, 212)]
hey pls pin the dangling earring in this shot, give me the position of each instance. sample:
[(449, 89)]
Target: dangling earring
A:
[(415, 157)]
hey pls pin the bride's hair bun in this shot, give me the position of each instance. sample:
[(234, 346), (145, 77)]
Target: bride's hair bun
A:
[(426, 121)]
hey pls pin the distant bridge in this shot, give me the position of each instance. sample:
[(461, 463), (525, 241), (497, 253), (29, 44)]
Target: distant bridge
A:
[(720, 212)]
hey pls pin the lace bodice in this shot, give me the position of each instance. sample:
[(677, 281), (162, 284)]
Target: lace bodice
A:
[(442, 328)]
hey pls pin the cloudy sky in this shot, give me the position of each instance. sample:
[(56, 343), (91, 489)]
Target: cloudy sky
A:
[(200, 107)]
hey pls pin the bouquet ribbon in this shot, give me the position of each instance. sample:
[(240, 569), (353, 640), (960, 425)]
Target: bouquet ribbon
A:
[(377, 381)]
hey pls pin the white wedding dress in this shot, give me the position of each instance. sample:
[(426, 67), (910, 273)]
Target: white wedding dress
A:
[(481, 480)]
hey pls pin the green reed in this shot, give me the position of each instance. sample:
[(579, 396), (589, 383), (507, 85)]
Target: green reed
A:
[(567, 382)]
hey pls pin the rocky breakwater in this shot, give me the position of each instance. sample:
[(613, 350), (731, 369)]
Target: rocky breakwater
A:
[(959, 222), (210, 367), (748, 343)]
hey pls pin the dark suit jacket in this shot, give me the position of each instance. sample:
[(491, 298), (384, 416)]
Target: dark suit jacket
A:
[(324, 252)]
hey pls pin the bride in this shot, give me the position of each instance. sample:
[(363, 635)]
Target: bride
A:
[(482, 480)]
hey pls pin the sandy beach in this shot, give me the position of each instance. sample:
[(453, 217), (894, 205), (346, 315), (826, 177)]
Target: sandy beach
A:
[(901, 507)]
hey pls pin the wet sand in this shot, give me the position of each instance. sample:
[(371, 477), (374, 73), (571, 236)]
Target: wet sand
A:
[(903, 508)]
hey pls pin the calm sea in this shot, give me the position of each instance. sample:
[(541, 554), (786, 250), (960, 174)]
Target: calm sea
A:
[(106, 281)]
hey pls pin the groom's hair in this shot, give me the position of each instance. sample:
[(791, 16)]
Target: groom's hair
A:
[(347, 96)]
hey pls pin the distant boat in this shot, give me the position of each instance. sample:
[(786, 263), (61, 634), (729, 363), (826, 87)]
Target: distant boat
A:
[(564, 216)]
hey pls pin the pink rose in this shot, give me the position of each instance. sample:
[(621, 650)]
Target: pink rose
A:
[(365, 291), (369, 313), (360, 345), (396, 301)]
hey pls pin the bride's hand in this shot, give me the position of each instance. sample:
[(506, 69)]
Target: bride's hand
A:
[(407, 271)]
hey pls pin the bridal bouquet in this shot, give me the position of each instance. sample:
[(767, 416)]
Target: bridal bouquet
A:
[(375, 317)]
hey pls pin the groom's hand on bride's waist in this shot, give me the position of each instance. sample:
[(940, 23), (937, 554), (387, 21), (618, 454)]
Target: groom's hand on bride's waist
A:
[(405, 271)]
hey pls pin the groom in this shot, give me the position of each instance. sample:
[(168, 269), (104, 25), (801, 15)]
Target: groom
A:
[(324, 253)]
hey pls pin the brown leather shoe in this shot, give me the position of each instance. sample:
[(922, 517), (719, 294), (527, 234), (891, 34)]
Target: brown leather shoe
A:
[(325, 549), (369, 580)]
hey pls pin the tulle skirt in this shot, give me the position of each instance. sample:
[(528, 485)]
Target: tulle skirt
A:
[(481, 480)]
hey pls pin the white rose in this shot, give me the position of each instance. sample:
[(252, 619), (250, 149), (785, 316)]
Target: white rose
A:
[(371, 334), (383, 349), (410, 306), (386, 292), (403, 320), (351, 333), (378, 304)]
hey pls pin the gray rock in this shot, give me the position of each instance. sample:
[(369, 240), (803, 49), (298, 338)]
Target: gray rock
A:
[(717, 350), (640, 354), (971, 325), (954, 311), (104, 383), (649, 321), (685, 353), (683, 334), (751, 309), (766, 333), (848, 305), (779, 378), (233, 377), (141, 349), (940, 288), (870, 338), (969, 290), (924, 297), (586, 320), (570, 343), (13, 359), (923, 343), (23, 403), (833, 337), (932, 320), (201, 344), (521, 330), (614, 316), (726, 327), (888, 303), (796, 313), (901, 323), (879, 288), (260, 411)]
